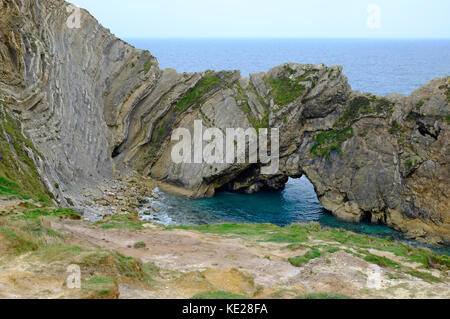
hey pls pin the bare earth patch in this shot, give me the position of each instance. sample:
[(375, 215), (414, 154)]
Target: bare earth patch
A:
[(196, 262), (180, 263)]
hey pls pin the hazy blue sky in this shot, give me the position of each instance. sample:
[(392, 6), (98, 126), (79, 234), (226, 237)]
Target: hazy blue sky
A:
[(272, 18)]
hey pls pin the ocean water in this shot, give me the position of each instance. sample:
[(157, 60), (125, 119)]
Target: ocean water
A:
[(297, 203), (376, 66)]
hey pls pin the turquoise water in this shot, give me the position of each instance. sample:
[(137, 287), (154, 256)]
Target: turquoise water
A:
[(376, 66), (297, 203)]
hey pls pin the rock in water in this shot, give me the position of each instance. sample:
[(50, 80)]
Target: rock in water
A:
[(96, 107)]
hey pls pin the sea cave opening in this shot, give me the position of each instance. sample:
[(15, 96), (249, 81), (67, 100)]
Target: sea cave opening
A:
[(296, 203)]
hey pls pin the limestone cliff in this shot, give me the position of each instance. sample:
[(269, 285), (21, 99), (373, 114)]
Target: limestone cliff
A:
[(96, 108)]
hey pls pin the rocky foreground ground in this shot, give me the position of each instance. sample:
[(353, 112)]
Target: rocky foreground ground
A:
[(122, 257)]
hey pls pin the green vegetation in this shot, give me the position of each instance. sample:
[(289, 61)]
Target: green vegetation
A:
[(329, 141), (15, 22), (420, 104), (150, 270), (303, 260), (296, 246), (219, 295), (115, 264), (285, 90), (396, 128), (242, 99), (261, 232), (140, 245), (362, 105), (259, 124), (147, 65), (446, 88), (197, 93), (21, 235), (162, 128), (330, 73), (258, 96), (9, 188), (298, 236), (308, 75), (411, 117), (99, 286), (381, 261), (124, 221), (446, 118), (27, 235), (19, 177), (288, 69), (97, 280), (313, 253), (151, 155), (424, 276), (18, 243), (357, 106), (57, 252), (63, 213)]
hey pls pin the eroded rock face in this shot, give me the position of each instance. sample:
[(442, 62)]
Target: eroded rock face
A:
[(97, 108)]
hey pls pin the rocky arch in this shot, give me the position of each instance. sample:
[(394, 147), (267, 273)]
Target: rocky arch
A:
[(362, 152), (82, 94)]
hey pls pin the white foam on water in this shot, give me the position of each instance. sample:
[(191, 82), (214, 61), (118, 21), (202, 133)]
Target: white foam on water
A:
[(161, 216)]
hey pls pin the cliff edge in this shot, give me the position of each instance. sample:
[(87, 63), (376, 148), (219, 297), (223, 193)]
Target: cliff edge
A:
[(97, 110)]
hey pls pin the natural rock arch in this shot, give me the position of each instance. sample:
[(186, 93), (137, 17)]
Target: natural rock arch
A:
[(95, 107)]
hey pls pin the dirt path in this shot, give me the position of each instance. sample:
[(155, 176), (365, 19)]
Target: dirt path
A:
[(190, 263), (188, 251), (227, 263)]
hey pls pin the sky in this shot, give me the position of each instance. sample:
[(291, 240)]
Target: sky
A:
[(272, 18)]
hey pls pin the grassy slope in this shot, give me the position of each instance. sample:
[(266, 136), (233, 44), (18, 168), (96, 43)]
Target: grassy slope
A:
[(19, 177), (25, 232), (28, 236), (300, 237)]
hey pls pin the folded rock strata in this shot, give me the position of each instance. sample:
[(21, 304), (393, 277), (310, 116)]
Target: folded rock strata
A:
[(97, 108)]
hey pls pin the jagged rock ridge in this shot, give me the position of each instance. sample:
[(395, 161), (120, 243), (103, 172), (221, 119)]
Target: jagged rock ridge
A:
[(96, 108)]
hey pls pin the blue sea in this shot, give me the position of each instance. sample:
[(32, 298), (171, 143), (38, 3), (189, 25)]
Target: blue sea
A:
[(376, 66)]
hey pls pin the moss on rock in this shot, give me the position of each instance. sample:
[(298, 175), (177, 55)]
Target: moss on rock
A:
[(197, 93), (329, 141), (361, 106), (19, 177)]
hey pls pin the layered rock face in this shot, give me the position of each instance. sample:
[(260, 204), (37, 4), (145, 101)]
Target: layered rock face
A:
[(96, 108)]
